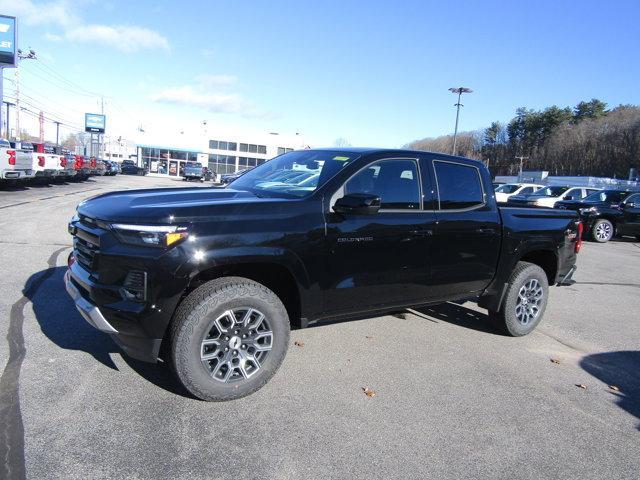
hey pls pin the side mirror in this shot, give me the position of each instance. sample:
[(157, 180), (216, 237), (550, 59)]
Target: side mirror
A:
[(357, 204), (628, 205)]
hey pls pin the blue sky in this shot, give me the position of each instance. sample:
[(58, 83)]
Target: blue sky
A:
[(374, 72)]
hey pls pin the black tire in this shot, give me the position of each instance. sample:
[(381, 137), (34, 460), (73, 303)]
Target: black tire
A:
[(602, 230), (194, 320), (507, 319)]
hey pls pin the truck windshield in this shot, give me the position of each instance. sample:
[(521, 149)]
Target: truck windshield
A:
[(551, 191), (507, 188), (193, 165), (294, 174)]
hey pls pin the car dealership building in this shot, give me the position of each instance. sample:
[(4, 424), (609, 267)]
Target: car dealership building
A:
[(222, 153)]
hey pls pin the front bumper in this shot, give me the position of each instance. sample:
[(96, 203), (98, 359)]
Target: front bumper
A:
[(105, 318)]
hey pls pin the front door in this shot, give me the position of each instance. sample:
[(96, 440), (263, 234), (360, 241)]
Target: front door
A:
[(380, 259), (466, 244), (630, 224)]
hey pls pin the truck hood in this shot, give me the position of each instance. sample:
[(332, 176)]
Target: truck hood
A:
[(166, 205)]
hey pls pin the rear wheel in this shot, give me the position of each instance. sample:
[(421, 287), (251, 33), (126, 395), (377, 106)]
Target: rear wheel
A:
[(602, 230), (229, 337), (525, 301)]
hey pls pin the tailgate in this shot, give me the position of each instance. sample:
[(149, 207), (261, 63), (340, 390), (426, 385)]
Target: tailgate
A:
[(23, 161)]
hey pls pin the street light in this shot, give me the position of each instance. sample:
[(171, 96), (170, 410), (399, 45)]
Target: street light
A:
[(459, 91)]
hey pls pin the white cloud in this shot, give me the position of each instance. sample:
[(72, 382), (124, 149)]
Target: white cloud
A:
[(208, 80), (63, 14), (122, 37), (58, 12), (52, 37), (213, 102)]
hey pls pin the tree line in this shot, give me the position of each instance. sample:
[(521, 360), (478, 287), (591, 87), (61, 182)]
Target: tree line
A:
[(588, 139)]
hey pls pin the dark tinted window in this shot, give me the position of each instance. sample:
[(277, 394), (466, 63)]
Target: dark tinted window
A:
[(459, 185), (526, 190), (394, 181)]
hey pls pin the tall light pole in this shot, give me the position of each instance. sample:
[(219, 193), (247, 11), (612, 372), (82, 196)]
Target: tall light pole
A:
[(459, 91)]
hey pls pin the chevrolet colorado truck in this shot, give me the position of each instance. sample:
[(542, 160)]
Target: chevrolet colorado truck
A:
[(212, 280)]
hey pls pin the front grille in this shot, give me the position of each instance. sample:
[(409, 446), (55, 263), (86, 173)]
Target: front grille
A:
[(85, 253), (86, 244)]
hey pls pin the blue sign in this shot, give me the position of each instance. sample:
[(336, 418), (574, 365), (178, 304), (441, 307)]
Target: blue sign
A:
[(94, 122), (8, 39)]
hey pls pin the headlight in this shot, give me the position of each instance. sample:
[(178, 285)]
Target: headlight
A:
[(75, 218), (150, 235)]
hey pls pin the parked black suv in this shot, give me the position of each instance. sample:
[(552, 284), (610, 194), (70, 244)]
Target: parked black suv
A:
[(213, 279), (607, 213), (129, 167)]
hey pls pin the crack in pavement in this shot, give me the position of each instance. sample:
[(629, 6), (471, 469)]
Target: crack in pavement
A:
[(12, 464)]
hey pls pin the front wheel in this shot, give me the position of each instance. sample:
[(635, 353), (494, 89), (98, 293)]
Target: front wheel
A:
[(602, 230), (525, 301), (228, 338)]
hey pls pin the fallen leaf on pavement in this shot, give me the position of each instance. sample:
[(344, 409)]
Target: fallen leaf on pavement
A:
[(556, 361), (368, 392), (615, 388), (581, 385), (298, 343)]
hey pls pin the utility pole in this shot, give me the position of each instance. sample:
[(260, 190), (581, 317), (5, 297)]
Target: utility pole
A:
[(57, 133), (521, 160), (21, 56), (459, 91)]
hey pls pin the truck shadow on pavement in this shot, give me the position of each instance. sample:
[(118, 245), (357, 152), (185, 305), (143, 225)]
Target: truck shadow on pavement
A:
[(460, 315), (622, 370), (64, 326)]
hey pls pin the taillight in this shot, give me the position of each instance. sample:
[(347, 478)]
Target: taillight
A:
[(63, 162), (578, 245), (12, 157), (41, 161)]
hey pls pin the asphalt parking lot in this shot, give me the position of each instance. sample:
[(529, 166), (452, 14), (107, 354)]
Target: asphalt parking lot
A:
[(454, 399)]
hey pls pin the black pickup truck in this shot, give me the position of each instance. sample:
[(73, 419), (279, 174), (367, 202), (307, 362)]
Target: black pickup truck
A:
[(212, 280)]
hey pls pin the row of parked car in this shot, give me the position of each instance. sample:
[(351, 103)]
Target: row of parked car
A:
[(26, 161), (605, 213)]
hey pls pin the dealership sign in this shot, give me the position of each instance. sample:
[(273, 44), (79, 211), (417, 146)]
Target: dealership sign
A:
[(8, 39), (94, 123)]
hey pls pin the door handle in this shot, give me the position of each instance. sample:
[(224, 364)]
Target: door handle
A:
[(485, 230), (423, 232)]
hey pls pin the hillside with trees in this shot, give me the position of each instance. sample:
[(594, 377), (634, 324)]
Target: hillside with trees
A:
[(588, 139)]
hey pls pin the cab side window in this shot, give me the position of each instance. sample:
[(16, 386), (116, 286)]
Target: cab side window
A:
[(459, 185), (526, 190), (396, 182)]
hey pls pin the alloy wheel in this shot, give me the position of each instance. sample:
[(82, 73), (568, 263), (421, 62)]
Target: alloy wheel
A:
[(529, 300), (236, 345), (604, 231)]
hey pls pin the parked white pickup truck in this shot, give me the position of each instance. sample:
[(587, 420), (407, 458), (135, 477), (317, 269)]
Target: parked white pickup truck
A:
[(45, 165), (15, 164), (63, 168)]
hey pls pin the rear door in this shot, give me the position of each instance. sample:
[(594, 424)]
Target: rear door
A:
[(467, 239)]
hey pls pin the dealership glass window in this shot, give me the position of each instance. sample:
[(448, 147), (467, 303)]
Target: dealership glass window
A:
[(459, 186), (262, 149), (280, 150), (213, 144), (222, 145), (253, 148), (244, 147), (232, 146)]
